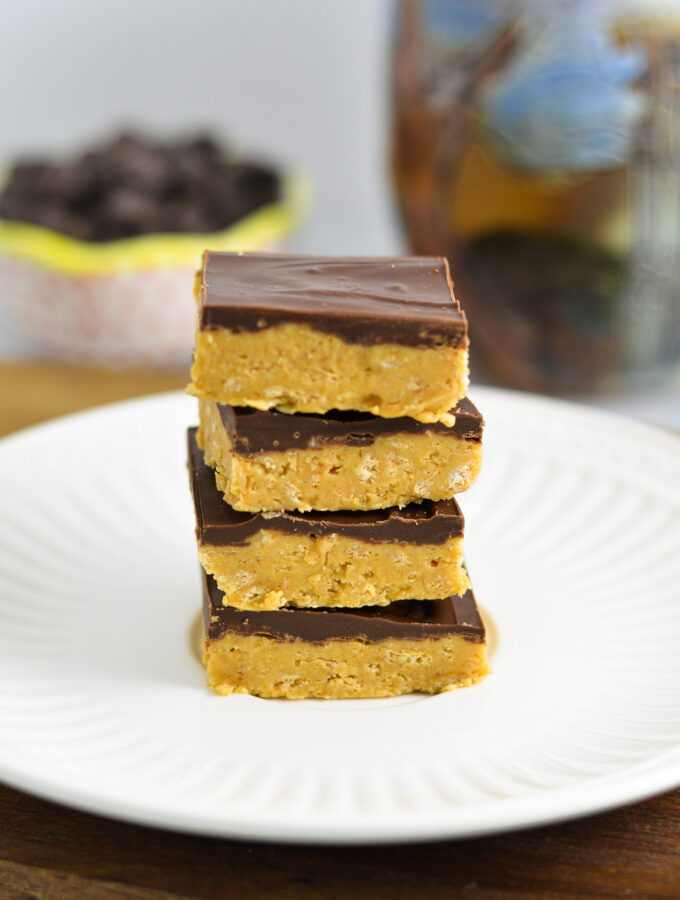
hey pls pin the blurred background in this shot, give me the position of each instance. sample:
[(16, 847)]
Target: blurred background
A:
[(537, 144)]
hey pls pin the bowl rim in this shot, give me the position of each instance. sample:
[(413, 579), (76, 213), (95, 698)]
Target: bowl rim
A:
[(62, 253)]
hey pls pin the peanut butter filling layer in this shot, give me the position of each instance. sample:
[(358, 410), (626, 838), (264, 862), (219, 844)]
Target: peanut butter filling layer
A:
[(338, 669), (273, 570), (294, 368)]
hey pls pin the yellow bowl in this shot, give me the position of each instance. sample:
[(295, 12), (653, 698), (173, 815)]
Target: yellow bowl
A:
[(129, 301)]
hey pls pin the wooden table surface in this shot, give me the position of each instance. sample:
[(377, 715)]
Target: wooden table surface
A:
[(48, 851)]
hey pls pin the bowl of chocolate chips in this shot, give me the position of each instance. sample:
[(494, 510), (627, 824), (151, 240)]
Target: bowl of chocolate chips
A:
[(98, 252)]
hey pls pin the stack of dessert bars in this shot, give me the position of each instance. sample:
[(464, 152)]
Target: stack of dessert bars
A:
[(334, 433)]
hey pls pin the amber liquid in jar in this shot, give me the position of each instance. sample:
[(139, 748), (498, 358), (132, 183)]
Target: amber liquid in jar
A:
[(538, 147)]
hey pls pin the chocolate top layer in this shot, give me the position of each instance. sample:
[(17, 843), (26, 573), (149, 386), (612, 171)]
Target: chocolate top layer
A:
[(217, 523), (405, 620), (400, 300), (253, 431)]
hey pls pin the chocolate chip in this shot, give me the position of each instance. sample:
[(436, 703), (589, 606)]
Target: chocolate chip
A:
[(135, 185)]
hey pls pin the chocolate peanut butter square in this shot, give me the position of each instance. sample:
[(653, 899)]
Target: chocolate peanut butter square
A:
[(429, 646), (269, 460), (311, 334)]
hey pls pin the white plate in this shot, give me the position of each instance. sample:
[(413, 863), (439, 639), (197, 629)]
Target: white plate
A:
[(573, 542)]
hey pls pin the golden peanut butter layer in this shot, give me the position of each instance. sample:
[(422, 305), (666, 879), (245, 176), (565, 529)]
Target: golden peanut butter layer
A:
[(427, 646), (307, 334), (273, 461), (297, 369), (274, 570), (341, 559)]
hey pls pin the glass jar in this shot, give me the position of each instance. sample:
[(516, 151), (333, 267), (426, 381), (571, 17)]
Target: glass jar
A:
[(537, 145)]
